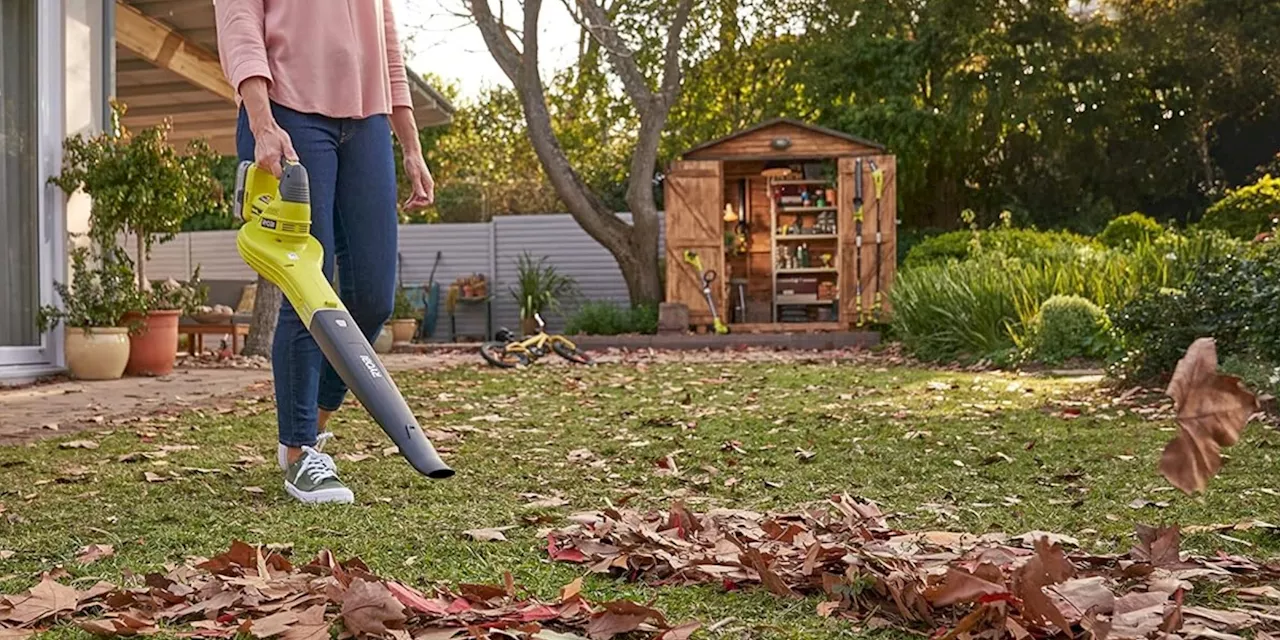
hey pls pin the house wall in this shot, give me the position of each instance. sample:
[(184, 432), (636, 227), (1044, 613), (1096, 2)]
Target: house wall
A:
[(84, 95), (68, 101), (490, 248)]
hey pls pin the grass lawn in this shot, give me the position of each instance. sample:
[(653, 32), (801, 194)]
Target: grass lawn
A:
[(975, 452)]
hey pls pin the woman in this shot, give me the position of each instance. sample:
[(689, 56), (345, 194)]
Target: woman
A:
[(324, 84)]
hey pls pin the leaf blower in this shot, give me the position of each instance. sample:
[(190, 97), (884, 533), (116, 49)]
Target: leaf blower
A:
[(276, 241), (707, 277)]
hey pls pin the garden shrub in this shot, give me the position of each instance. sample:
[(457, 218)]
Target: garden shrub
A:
[(1129, 230), (984, 307), (1248, 211), (1218, 301), (602, 318), (1067, 327), (1028, 244)]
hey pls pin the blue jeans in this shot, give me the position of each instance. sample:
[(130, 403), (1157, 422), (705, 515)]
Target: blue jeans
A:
[(351, 168)]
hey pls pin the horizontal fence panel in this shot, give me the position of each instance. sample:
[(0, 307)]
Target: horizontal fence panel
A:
[(464, 250), (490, 248)]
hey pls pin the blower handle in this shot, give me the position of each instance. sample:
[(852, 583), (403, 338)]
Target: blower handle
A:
[(294, 184)]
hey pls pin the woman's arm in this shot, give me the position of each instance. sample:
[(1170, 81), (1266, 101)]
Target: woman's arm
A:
[(242, 50), (403, 123), (400, 95)]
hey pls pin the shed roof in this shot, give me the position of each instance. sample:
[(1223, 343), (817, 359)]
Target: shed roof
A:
[(167, 67), (727, 147)]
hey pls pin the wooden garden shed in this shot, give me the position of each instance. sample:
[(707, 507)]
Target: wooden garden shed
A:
[(798, 222)]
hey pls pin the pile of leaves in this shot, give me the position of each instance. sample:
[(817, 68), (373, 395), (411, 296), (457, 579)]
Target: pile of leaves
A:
[(953, 585), (257, 592)]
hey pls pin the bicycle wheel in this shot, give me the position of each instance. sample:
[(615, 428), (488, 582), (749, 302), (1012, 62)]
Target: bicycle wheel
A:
[(496, 354), (571, 353)]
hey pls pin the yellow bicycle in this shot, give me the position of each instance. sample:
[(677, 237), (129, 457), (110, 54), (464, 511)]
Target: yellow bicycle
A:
[(509, 352)]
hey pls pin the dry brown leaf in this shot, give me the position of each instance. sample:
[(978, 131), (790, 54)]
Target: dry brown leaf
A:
[(15, 634), (681, 632), (961, 586), (272, 625), (46, 599), (620, 616), (94, 552), (370, 608), (310, 625), (79, 444), (492, 534), (1212, 411)]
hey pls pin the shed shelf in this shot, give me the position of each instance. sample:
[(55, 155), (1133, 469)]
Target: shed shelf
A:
[(724, 201)]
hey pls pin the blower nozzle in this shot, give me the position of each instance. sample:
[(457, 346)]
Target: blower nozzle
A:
[(276, 242)]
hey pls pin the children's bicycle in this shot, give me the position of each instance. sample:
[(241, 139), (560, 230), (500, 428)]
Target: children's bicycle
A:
[(510, 352)]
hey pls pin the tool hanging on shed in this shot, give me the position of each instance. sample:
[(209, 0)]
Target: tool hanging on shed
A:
[(707, 277), (857, 233), (431, 310), (877, 178)]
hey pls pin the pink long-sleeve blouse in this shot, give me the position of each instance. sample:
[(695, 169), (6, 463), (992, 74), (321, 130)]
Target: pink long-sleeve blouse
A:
[(339, 58)]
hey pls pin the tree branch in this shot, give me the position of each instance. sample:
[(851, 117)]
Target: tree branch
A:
[(504, 51), (622, 58), (671, 72)]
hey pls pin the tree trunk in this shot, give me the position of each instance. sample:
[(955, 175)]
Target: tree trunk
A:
[(142, 264), (262, 328)]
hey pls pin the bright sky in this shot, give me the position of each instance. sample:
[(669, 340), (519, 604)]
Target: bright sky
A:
[(450, 45)]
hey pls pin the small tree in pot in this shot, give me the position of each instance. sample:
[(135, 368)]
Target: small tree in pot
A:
[(404, 318), (541, 288), (141, 186), (93, 313)]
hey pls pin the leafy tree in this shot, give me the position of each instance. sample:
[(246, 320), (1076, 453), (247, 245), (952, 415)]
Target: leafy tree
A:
[(650, 77)]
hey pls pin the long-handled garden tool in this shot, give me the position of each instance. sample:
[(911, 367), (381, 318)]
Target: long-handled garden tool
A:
[(857, 234), (276, 242), (431, 310), (877, 178), (707, 278)]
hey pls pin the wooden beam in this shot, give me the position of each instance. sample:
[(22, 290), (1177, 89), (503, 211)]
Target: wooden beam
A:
[(160, 89), (168, 49), (180, 109)]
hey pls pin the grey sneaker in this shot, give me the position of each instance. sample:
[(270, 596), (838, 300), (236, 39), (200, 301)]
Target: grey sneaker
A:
[(314, 478), (282, 452)]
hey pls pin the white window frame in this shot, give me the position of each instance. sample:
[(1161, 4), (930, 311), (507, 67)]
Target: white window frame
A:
[(50, 207)]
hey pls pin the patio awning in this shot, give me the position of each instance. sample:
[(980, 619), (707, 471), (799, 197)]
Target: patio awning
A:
[(167, 67)]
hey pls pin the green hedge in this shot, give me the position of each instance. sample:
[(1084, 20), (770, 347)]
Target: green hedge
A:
[(601, 318), (1027, 244), (1246, 212)]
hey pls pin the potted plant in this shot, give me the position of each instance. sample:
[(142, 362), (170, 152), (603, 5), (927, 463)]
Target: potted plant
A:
[(404, 319), (141, 186), (96, 336), (541, 288)]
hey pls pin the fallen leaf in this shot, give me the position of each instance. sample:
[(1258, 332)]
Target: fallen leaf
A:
[(493, 534), (370, 608), (48, 598), (155, 477), (273, 625), (94, 552), (257, 490), (79, 444), (1212, 411), (619, 616), (961, 586)]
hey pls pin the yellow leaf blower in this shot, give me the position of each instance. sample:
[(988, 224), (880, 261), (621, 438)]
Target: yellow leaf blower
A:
[(276, 242)]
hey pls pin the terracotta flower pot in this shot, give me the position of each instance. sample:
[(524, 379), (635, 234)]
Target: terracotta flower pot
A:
[(100, 354), (402, 330), (528, 326), (384, 341), (154, 348)]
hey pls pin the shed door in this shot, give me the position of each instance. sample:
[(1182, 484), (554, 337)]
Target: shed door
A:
[(693, 198), (877, 215)]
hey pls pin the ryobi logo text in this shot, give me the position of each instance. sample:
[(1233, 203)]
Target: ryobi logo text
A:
[(369, 364)]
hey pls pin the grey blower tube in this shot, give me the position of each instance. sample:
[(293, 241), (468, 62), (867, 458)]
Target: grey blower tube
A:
[(358, 365)]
